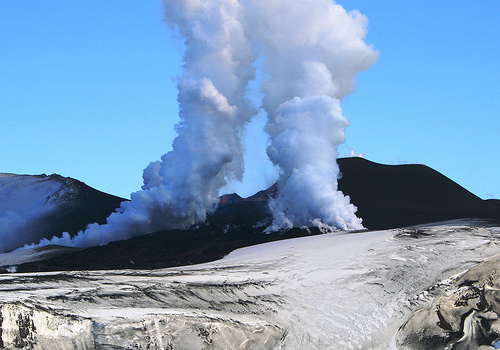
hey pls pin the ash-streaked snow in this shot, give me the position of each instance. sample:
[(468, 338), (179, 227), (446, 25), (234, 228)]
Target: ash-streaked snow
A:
[(342, 291)]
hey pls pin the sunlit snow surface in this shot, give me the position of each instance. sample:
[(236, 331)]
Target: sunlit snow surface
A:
[(333, 291)]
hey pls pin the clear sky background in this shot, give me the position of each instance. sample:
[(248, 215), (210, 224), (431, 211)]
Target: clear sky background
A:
[(86, 91)]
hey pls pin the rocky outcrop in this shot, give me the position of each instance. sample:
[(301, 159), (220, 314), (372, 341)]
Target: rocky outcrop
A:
[(466, 316)]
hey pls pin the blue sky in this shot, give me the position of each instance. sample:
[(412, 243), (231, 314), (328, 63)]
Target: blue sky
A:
[(86, 91)]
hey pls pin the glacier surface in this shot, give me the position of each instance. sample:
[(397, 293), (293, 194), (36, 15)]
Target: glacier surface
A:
[(332, 291)]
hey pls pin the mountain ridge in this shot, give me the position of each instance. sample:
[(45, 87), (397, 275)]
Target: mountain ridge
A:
[(33, 207), (387, 196), (409, 194)]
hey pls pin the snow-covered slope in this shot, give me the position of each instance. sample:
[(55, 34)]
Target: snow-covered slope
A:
[(26, 200), (333, 291), (33, 207)]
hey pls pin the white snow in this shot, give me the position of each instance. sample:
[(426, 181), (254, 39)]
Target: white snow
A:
[(341, 291), (26, 194), (18, 257), (26, 200)]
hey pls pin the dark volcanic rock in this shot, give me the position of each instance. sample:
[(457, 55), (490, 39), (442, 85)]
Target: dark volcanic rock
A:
[(389, 196), (207, 242), (79, 206), (467, 317)]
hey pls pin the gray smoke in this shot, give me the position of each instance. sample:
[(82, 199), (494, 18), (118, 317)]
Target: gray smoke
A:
[(312, 51)]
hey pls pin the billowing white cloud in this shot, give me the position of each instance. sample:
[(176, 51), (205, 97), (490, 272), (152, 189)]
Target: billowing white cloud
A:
[(312, 51)]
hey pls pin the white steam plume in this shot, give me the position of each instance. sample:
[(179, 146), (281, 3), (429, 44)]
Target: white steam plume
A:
[(313, 50), (183, 187)]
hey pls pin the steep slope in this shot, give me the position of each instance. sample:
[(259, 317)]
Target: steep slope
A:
[(33, 207)]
